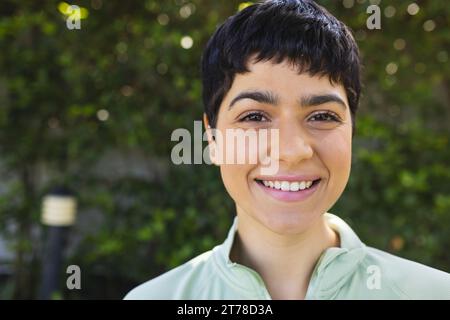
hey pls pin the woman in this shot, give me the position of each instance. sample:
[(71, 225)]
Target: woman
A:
[(291, 67)]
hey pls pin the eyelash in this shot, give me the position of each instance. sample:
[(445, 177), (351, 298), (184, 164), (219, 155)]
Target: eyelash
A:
[(331, 116), (250, 114)]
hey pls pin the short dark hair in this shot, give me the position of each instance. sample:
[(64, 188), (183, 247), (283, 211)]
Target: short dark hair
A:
[(300, 31)]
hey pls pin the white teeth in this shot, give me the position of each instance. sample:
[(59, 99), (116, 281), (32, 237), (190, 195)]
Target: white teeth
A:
[(288, 186), (294, 186)]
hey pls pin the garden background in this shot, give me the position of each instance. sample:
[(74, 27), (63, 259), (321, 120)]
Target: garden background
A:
[(94, 108)]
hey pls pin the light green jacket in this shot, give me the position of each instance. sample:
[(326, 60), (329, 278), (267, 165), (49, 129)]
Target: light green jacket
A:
[(353, 271)]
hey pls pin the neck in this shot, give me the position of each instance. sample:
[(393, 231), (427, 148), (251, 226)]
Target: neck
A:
[(285, 262)]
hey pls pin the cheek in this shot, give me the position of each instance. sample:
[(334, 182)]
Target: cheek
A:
[(240, 147), (234, 178), (336, 152)]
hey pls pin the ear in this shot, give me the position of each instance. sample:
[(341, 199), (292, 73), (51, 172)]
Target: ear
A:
[(212, 144)]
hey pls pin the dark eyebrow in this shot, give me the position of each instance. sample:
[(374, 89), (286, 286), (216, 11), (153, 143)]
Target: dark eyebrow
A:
[(259, 96), (306, 101), (316, 100)]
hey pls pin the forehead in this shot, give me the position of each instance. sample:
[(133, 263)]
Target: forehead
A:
[(284, 80)]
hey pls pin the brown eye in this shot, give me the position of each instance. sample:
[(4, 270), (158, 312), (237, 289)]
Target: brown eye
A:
[(325, 117), (254, 117)]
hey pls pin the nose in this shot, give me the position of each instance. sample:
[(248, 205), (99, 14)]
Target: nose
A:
[(294, 144)]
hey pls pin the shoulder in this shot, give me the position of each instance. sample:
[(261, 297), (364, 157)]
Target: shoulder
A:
[(409, 279), (182, 282)]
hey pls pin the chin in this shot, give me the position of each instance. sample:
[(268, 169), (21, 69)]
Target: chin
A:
[(284, 223)]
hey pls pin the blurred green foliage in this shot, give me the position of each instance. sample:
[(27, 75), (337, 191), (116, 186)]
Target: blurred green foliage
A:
[(126, 64)]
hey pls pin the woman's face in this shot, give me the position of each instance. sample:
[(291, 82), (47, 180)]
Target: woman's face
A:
[(314, 146)]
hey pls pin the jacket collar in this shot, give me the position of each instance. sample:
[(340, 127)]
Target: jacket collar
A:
[(332, 270)]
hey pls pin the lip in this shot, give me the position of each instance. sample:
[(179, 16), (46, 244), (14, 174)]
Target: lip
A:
[(289, 196)]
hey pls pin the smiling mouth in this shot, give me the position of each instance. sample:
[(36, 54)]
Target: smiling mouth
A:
[(289, 186)]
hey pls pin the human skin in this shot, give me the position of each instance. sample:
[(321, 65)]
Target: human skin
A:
[(315, 139)]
